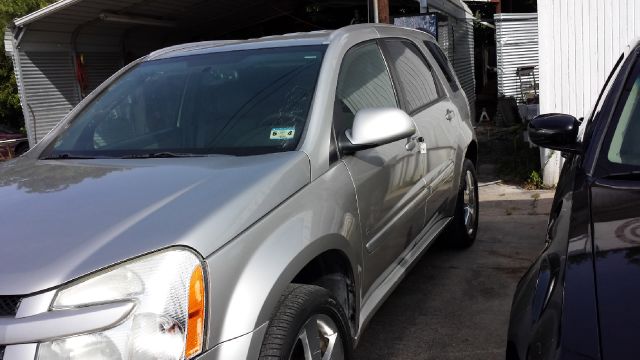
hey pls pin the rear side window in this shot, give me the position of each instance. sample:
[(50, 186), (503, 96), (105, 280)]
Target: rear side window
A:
[(443, 63), (415, 78), (363, 83)]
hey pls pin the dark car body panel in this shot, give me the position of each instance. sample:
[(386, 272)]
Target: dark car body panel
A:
[(616, 224), (591, 257), (553, 315)]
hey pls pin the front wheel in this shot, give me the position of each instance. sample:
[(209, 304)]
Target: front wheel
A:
[(464, 225), (308, 325)]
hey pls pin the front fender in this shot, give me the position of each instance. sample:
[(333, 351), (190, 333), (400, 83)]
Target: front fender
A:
[(248, 275), (554, 311)]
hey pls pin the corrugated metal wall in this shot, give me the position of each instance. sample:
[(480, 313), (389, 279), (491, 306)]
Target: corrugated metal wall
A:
[(582, 40), (8, 41), (516, 46), (456, 38), (444, 34), (464, 58), (50, 89), (8, 48), (100, 66)]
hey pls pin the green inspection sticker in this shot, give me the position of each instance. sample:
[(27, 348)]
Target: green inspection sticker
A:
[(283, 133)]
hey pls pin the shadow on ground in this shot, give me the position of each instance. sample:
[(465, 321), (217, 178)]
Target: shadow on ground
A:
[(456, 304)]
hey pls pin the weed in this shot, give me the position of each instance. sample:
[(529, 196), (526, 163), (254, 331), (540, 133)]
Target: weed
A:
[(516, 160), (534, 182)]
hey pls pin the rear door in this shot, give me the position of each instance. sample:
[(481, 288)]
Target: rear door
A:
[(424, 98), (389, 178), (615, 209)]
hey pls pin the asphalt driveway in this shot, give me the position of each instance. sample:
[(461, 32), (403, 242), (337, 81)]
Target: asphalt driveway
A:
[(455, 304)]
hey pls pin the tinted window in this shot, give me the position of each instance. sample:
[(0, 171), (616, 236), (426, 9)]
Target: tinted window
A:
[(236, 102), (363, 83), (443, 63), (624, 147), (416, 81)]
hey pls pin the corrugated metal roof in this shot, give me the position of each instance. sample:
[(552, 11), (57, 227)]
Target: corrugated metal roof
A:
[(66, 15), (516, 46)]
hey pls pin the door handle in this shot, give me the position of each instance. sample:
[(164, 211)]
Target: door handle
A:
[(411, 145), (413, 141), (450, 114)]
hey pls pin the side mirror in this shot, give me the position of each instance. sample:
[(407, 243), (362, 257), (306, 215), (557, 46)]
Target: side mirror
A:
[(375, 127), (556, 132)]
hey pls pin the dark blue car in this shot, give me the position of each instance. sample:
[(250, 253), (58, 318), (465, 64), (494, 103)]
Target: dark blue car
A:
[(581, 297)]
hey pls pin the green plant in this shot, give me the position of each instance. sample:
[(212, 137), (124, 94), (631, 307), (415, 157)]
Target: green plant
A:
[(516, 160), (534, 181)]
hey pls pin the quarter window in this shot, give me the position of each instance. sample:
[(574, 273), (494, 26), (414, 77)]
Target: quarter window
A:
[(363, 83), (416, 80), (443, 63)]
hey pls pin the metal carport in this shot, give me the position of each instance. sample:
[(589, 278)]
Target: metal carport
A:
[(54, 48), (107, 34)]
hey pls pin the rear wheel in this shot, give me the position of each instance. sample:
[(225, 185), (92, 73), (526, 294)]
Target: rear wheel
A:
[(464, 225), (308, 325)]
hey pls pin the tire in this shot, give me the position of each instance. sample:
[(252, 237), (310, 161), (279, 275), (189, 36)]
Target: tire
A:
[(464, 225), (305, 309)]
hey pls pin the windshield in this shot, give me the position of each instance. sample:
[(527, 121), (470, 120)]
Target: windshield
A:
[(237, 103)]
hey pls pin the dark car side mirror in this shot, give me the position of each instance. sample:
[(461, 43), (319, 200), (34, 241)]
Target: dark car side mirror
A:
[(556, 132)]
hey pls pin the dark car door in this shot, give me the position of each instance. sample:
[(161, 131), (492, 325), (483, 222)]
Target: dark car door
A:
[(615, 208)]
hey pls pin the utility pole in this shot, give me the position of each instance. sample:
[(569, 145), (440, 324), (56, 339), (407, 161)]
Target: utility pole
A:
[(383, 11)]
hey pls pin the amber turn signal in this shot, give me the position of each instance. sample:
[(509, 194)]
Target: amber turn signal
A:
[(195, 324)]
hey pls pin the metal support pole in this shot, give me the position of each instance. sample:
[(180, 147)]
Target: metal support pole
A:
[(376, 17)]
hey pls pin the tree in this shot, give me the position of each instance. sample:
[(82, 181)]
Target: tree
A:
[(10, 110)]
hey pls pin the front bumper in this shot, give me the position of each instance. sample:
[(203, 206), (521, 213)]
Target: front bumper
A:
[(33, 324), (244, 347)]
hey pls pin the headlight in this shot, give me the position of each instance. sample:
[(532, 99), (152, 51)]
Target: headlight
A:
[(167, 323)]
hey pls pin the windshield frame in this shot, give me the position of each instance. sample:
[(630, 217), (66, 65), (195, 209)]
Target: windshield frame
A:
[(49, 142)]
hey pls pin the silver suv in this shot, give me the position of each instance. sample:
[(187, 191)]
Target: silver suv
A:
[(236, 200)]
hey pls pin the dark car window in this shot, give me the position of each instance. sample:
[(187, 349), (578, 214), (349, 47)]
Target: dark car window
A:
[(622, 147), (363, 83), (415, 78), (235, 102), (443, 63)]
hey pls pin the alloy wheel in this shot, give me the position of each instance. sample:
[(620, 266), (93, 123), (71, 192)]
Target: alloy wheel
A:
[(319, 339), (470, 202)]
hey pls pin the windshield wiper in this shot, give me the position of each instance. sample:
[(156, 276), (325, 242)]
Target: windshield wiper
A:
[(66, 156), (160, 155)]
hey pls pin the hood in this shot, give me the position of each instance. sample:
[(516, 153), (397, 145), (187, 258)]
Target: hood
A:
[(62, 219)]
